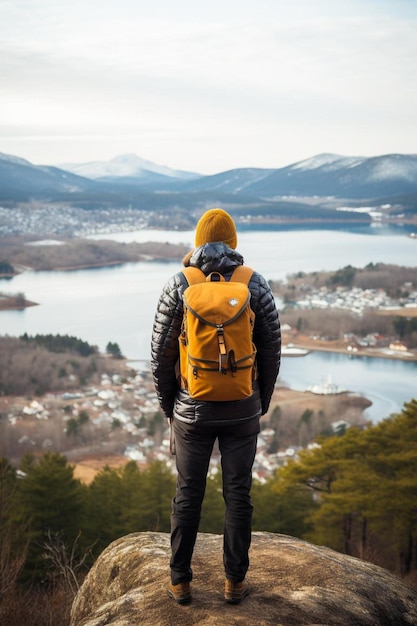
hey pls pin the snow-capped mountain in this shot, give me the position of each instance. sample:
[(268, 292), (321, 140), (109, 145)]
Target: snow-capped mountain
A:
[(323, 175), (326, 161), (121, 180), (347, 177), (15, 160), (21, 180), (125, 166)]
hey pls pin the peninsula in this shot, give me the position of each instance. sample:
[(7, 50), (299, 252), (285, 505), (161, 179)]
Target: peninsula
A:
[(20, 254)]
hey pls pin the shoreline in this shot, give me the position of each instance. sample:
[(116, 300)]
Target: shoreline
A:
[(299, 342), (312, 345)]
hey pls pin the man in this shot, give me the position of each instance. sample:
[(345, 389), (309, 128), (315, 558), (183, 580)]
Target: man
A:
[(197, 424)]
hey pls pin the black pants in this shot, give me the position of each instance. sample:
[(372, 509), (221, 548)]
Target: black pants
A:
[(194, 445)]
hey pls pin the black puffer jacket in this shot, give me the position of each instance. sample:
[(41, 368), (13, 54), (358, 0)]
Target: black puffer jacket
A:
[(167, 327)]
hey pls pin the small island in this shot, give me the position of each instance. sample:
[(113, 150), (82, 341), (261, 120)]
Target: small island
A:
[(14, 302), (20, 254)]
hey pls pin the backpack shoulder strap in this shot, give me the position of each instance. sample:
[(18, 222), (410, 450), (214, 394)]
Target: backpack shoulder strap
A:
[(242, 274), (193, 275)]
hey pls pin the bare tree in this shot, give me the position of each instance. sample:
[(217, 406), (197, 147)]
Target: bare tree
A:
[(66, 565)]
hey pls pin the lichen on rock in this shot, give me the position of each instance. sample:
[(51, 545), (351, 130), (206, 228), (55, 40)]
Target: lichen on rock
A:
[(292, 582)]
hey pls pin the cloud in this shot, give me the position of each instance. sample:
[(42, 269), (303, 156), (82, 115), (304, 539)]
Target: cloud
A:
[(199, 74)]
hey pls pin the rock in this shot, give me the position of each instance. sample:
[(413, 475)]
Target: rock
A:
[(292, 582)]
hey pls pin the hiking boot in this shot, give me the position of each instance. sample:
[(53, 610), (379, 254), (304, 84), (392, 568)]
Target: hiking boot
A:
[(181, 593), (235, 592)]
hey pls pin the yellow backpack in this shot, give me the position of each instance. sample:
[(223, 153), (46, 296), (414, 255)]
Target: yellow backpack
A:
[(217, 354)]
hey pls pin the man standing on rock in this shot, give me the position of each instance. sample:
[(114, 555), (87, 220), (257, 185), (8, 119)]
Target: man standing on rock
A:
[(197, 423)]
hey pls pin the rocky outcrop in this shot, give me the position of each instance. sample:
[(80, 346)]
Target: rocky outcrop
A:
[(293, 583)]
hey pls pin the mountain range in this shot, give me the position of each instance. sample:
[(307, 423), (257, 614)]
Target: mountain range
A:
[(128, 179), (128, 168), (323, 175)]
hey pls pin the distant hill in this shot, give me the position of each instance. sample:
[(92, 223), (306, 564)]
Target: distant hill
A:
[(20, 180), (129, 168), (309, 189), (324, 175)]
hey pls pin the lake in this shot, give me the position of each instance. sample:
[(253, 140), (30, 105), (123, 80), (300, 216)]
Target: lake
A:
[(118, 303)]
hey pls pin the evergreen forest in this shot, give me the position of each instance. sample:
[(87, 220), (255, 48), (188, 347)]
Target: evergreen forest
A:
[(356, 493)]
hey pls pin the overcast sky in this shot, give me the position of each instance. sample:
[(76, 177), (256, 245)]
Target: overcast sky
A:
[(207, 86)]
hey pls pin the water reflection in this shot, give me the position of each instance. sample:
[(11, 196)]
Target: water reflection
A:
[(118, 303)]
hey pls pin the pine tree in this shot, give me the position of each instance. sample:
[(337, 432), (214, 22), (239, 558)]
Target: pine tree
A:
[(366, 486), (104, 508), (52, 502), (158, 490)]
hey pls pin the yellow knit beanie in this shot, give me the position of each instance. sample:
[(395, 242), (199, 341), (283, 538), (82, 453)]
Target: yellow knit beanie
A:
[(216, 225)]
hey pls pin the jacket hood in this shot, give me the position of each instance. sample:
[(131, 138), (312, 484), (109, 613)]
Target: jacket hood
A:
[(213, 257)]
